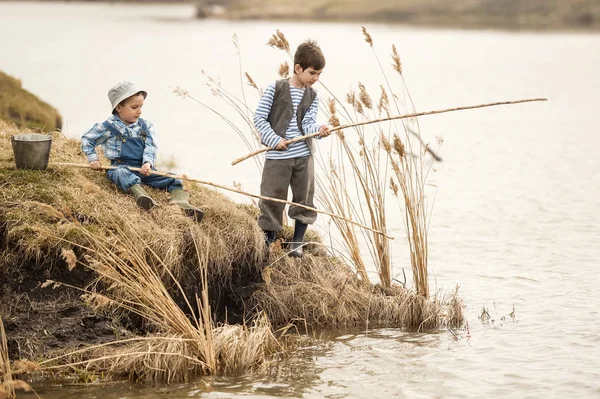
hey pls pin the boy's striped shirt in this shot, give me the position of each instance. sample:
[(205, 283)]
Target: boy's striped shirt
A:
[(268, 135)]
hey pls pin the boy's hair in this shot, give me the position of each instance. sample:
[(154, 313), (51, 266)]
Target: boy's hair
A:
[(125, 100), (309, 54)]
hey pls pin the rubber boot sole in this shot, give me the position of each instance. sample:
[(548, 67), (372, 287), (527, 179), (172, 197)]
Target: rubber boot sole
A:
[(296, 251), (145, 203), (195, 214)]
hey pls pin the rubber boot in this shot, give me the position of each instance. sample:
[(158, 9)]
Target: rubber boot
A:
[(182, 199), (142, 198), (298, 240), (269, 237)]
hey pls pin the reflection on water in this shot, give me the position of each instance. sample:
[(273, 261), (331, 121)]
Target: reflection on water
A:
[(516, 209)]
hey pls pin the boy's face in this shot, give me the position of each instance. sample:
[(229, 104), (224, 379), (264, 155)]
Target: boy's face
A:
[(131, 109), (308, 76)]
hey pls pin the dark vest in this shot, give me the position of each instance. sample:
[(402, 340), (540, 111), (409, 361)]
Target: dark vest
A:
[(282, 109)]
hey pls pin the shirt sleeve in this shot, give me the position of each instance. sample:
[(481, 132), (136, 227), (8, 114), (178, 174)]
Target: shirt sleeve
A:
[(97, 135), (267, 134), (150, 148), (309, 123)]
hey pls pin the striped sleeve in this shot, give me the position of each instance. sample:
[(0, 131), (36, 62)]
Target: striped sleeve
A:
[(309, 123), (267, 134)]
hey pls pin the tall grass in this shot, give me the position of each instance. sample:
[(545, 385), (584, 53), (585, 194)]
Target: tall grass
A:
[(408, 169), (369, 173), (324, 293), (364, 170), (9, 385), (358, 173), (186, 342)]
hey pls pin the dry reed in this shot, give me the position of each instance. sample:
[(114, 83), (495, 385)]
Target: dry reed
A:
[(132, 277), (9, 385), (313, 294)]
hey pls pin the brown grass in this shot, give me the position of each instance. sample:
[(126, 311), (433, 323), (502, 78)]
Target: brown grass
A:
[(186, 342), (38, 208), (8, 385), (293, 286)]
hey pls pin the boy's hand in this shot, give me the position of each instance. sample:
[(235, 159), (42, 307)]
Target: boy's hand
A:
[(95, 165), (324, 131), (146, 169), (281, 146)]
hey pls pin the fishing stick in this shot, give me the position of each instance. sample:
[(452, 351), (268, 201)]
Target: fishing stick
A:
[(389, 118), (207, 183)]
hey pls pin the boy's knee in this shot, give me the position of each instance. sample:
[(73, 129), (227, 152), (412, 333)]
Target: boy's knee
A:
[(121, 173)]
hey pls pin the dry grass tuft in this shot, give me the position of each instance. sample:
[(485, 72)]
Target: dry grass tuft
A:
[(42, 211), (240, 347), (69, 256), (26, 366), (313, 293)]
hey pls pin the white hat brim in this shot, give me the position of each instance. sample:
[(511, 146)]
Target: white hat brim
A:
[(128, 93)]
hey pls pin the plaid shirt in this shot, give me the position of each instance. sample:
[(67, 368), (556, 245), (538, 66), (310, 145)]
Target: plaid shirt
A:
[(100, 135)]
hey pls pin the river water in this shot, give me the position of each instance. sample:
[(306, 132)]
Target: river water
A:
[(516, 209)]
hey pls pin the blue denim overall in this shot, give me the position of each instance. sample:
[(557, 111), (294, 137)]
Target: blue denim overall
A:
[(132, 153)]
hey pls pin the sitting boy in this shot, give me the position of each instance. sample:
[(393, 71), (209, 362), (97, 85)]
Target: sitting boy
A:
[(128, 140)]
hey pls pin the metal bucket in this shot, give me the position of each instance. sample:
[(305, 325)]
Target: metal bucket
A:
[(32, 151)]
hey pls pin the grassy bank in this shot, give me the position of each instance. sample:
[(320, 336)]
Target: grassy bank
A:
[(82, 266), (508, 14), (19, 106)]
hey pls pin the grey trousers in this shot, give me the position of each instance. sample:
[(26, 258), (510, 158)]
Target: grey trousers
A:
[(278, 175)]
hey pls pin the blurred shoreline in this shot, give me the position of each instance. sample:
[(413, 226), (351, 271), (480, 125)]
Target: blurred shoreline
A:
[(536, 15)]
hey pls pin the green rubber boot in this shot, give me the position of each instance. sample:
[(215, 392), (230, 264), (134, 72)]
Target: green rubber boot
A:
[(142, 198), (182, 199)]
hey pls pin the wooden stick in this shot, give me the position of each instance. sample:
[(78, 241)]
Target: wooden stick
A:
[(154, 172), (295, 140)]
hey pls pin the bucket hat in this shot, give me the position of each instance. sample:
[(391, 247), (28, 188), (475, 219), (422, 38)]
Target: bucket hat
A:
[(123, 90)]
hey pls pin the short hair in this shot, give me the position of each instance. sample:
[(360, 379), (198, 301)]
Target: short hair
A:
[(309, 54)]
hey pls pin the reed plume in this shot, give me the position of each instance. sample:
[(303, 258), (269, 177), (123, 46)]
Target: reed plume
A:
[(367, 36), (278, 40), (284, 70), (396, 64)]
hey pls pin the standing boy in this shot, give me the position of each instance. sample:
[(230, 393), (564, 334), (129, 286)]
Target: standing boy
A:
[(128, 140), (288, 109)]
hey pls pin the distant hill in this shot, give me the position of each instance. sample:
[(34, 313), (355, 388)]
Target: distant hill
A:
[(500, 14), (19, 106), (486, 14)]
